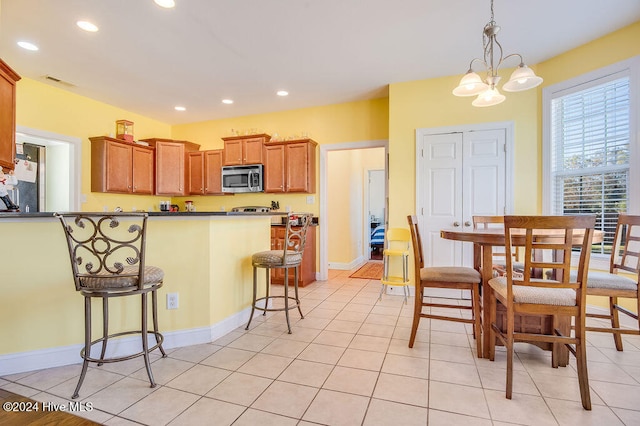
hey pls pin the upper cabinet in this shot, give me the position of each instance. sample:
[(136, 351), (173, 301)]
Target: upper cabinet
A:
[(240, 150), (8, 79), (290, 166), (171, 167), (121, 167), (205, 172)]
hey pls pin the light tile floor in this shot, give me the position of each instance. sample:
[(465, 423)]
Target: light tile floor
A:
[(348, 363)]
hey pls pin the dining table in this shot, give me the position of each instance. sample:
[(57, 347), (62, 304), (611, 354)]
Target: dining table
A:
[(484, 241)]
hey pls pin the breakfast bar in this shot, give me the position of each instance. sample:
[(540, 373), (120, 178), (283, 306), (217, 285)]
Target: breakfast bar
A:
[(206, 257)]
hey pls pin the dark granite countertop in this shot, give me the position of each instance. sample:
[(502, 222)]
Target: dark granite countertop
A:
[(23, 215)]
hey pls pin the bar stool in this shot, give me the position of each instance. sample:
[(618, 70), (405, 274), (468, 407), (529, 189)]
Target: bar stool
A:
[(107, 254), (289, 256), (396, 245)]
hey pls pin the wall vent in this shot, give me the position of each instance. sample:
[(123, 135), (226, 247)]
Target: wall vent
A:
[(57, 80)]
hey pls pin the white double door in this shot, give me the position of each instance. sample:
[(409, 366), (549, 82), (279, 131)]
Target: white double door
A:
[(459, 174)]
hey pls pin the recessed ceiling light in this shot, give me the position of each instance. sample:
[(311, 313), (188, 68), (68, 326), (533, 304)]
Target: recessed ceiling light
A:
[(27, 45), (227, 101), (180, 108), (282, 93), (167, 4), (87, 26)]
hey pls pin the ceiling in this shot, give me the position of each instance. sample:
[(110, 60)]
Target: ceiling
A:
[(147, 60)]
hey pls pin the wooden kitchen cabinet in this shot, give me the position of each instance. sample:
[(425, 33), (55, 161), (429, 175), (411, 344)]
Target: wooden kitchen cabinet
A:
[(205, 172), (121, 167), (240, 150), (290, 166), (171, 165), (8, 79), (307, 273)]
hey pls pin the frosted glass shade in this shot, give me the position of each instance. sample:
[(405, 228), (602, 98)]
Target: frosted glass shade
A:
[(523, 78), (489, 97), (470, 85)]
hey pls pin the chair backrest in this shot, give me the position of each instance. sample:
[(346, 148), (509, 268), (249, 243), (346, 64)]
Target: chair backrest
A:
[(625, 254), (493, 222), (295, 237), (105, 245), (418, 256), (397, 238), (548, 244)]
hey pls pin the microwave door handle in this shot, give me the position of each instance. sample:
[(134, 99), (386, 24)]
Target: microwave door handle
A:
[(249, 180)]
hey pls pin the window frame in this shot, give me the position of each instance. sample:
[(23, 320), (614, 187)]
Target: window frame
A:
[(628, 68)]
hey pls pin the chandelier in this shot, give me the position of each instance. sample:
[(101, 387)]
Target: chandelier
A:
[(523, 78)]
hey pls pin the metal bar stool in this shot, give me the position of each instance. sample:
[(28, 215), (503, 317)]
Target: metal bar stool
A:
[(289, 256), (396, 245), (107, 254)]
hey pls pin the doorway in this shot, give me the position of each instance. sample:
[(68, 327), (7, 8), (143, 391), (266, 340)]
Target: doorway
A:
[(375, 213), (345, 205), (54, 161)]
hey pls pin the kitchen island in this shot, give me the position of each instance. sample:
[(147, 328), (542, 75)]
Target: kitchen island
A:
[(206, 258)]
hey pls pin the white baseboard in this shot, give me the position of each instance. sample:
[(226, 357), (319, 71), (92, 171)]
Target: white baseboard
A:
[(347, 266), (65, 355)]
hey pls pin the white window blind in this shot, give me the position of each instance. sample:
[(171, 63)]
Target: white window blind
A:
[(590, 158)]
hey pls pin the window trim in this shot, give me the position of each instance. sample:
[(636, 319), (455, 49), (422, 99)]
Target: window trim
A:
[(627, 68)]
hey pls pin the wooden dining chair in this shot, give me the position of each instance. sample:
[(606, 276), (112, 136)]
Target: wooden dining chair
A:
[(499, 265), (625, 259), (551, 239), (448, 277)]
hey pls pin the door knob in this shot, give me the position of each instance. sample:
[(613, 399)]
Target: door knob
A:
[(456, 224)]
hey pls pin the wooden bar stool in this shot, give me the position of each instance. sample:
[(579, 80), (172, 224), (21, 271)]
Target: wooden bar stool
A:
[(287, 257), (107, 254), (396, 245)]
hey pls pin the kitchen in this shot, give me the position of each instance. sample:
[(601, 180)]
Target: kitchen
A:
[(409, 105)]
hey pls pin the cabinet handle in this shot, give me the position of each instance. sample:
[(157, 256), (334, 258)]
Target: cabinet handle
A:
[(456, 224), (467, 223)]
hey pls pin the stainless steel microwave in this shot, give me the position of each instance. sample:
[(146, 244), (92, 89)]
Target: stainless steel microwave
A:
[(246, 178)]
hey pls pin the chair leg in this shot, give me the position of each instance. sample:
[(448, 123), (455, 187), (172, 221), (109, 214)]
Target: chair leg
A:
[(509, 345), (255, 289), (145, 341), (555, 351), (267, 279), (491, 319), (475, 300), (154, 313), (381, 291), (105, 327), (286, 298), (86, 352), (615, 322), (295, 288), (417, 309), (581, 363)]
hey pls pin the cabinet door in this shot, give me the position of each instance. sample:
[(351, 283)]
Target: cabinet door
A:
[(170, 168), (233, 152), (253, 151), (297, 166), (196, 172), (118, 167), (274, 171), (142, 170), (213, 171), (8, 80)]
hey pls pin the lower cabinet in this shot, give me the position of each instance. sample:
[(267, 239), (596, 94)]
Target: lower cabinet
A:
[(307, 273)]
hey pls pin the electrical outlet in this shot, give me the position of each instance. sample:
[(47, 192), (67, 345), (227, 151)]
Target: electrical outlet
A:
[(172, 300)]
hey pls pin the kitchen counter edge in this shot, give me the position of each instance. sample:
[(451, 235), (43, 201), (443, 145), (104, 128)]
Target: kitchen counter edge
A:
[(22, 215)]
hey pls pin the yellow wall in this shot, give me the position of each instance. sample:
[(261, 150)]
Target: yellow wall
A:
[(43, 107), (347, 122)]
